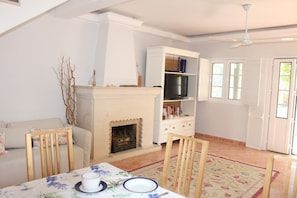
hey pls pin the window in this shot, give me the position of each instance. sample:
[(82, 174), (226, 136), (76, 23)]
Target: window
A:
[(226, 80), (235, 82), (283, 89), (217, 80)]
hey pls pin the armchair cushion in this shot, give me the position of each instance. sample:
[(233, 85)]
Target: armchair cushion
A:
[(13, 137), (2, 124), (83, 138), (62, 136), (13, 163), (2, 144), (49, 123)]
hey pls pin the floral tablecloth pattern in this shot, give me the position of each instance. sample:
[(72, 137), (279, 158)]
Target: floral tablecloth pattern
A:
[(62, 185)]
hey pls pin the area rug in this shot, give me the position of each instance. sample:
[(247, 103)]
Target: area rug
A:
[(223, 177)]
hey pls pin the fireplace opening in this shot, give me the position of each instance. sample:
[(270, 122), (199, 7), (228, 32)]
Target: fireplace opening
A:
[(123, 138), (125, 134)]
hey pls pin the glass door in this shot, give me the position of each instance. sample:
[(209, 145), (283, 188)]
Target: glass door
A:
[(282, 107)]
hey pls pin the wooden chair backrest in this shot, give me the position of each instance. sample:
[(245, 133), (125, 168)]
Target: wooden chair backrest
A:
[(49, 150), (187, 151), (290, 185)]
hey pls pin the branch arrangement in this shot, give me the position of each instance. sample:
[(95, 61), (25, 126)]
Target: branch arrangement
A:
[(66, 78)]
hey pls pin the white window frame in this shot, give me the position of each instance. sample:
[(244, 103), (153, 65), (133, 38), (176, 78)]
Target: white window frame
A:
[(226, 76)]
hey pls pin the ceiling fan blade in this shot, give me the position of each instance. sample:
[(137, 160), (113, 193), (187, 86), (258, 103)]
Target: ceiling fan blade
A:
[(265, 41), (243, 43), (236, 45)]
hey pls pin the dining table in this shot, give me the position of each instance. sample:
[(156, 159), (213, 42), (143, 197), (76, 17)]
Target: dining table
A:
[(115, 183)]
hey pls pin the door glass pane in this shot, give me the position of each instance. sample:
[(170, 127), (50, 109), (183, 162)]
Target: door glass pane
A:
[(235, 81), (283, 89), (217, 80)]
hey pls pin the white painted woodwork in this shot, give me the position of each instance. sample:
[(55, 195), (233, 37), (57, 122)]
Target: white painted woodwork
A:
[(155, 75), (115, 61), (203, 81), (257, 95), (280, 129)]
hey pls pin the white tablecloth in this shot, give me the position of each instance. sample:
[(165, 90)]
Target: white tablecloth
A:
[(62, 185)]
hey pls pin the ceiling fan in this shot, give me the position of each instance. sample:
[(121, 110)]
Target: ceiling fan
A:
[(245, 41)]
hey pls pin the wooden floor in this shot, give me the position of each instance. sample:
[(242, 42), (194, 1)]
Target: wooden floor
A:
[(232, 150)]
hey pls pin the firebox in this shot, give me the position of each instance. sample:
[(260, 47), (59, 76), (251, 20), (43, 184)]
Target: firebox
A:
[(124, 135)]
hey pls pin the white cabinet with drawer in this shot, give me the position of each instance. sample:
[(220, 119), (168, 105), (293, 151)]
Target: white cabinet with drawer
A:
[(182, 125)]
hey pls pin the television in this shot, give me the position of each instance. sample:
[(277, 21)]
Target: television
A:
[(175, 87)]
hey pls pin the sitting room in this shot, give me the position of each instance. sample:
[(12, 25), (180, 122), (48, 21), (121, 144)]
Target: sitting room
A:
[(218, 71)]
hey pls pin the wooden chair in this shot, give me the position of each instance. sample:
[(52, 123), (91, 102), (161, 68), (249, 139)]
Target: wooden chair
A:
[(49, 150), (186, 153), (290, 185)]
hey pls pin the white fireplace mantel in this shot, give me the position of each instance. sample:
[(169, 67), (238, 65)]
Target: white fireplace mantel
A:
[(98, 106), (116, 92)]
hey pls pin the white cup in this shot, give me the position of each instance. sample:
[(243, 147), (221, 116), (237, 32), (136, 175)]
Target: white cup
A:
[(90, 181)]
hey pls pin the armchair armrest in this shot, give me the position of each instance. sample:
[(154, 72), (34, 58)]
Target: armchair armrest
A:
[(83, 138)]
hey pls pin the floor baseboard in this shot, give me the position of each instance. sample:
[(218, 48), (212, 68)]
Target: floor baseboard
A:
[(220, 139)]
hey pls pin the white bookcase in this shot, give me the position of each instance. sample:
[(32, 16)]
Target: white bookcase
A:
[(162, 61)]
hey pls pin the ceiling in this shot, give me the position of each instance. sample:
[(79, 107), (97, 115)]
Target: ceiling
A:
[(201, 18)]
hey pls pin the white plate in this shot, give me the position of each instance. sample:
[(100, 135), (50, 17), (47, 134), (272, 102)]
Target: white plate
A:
[(140, 184)]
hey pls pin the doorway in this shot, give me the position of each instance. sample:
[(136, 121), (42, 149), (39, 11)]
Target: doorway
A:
[(282, 107)]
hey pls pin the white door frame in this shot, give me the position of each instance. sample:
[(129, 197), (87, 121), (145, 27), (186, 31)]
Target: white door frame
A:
[(280, 129)]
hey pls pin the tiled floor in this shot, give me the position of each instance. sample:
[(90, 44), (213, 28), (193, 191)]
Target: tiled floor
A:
[(232, 150)]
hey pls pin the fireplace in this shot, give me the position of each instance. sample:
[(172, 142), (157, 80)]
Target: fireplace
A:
[(101, 108), (125, 135)]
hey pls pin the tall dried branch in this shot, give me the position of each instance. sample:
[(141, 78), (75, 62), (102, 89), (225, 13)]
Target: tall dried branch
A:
[(66, 79)]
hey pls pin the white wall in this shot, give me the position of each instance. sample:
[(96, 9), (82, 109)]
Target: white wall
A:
[(28, 56), (227, 120), (143, 40), (30, 53)]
